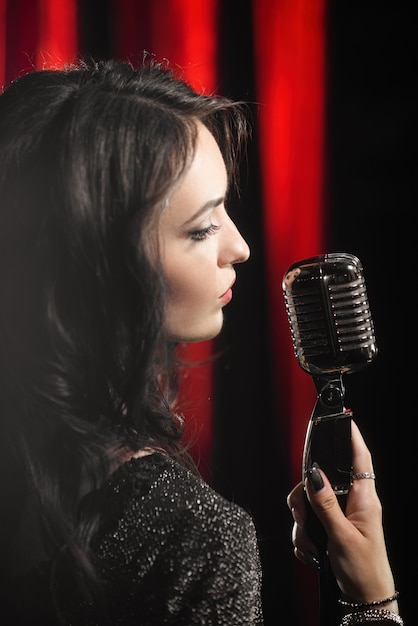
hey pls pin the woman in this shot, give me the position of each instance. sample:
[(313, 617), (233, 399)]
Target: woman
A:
[(116, 245)]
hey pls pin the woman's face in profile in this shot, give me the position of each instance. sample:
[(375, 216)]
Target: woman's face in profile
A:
[(199, 245)]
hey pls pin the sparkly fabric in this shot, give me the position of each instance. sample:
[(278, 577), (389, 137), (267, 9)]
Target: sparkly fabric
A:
[(174, 552)]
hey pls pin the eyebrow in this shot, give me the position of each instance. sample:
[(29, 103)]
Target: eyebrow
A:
[(210, 204)]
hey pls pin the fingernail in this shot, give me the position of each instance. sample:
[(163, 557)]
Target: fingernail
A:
[(313, 562), (314, 477), (309, 559)]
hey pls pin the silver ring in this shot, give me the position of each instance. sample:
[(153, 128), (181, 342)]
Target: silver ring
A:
[(364, 475)]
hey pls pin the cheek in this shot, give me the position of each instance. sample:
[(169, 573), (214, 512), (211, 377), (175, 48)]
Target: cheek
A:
[(191, 278), (192, 311), (187, 288)]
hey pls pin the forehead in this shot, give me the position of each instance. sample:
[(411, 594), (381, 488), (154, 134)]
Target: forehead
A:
[(206, 176)]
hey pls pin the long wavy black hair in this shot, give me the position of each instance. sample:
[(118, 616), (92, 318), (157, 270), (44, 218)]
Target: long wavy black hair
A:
[(88, 156)]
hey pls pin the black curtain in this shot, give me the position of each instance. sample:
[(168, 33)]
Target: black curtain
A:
[(372, 177)]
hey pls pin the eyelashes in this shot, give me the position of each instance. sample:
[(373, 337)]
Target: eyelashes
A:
[(203, 233)]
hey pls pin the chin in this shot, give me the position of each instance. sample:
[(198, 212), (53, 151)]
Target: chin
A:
[(193, 335), (212, 333), (201, 336)]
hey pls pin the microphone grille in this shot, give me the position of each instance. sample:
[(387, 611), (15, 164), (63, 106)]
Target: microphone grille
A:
[(329, 314)]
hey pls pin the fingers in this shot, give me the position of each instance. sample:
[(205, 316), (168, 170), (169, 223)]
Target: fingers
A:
[(326, 506), (362, 502), (362, 499), (362, 464), (295, 497), (362, 459), (304, 549), (355, 541)]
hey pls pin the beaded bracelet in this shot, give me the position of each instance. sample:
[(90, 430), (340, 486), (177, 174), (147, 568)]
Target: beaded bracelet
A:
[(371, 615), (366, 605)]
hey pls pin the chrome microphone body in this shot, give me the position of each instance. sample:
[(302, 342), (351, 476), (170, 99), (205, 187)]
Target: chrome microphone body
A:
[(333, 334)]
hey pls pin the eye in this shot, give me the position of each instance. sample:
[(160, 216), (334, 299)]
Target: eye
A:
[(202, 233)]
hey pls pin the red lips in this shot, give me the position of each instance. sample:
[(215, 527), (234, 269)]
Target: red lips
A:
[(227, 296)]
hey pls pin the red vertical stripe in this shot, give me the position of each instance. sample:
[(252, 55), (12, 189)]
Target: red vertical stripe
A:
[(187, 38), (37, 33), (58, 36), (289, 70), (289, 51), (185, 33), (182, 31)]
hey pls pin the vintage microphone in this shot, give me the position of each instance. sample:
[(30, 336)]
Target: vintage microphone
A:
[(333, 334)]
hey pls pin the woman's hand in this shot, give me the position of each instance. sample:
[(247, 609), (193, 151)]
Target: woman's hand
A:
[(355, 539)]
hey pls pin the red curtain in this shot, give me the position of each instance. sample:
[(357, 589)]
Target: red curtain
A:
[(58, 33), (289, 43), (36, 33), (182, 31), (288, 40), (289, 76)]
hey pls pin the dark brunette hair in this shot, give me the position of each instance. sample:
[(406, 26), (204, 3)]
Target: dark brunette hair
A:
[(88, 155)]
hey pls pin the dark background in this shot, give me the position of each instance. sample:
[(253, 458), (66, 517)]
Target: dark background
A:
[(371, 177), (370, 181)]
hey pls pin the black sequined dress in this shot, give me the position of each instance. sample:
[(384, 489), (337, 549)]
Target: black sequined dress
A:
[(172, 552)]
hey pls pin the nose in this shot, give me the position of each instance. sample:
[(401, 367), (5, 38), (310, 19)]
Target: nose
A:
[(235, 248)]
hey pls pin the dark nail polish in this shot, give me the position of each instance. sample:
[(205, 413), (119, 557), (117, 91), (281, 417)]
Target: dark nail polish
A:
[(315, 478), (309, 559), (313, 562)]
